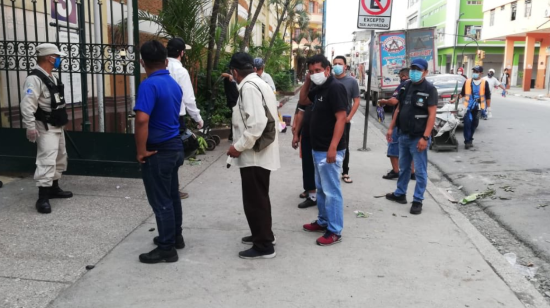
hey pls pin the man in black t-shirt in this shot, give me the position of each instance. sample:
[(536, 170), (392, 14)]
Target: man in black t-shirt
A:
[(328, 118), (415, 118)]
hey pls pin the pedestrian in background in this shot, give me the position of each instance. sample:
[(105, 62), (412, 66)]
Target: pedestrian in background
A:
[(249, 122), (328, 120), (493, 85), (45, 116), (477, 94), (353, 94), (505, 79), (176, 50), (301, 138), (393, 145), (160, 150), (415, 118), (259, 66)]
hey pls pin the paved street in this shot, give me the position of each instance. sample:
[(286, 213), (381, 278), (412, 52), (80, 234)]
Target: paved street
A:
[(511, 149)]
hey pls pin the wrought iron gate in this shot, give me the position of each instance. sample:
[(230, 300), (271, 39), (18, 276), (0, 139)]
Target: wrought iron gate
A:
[(101, 73)]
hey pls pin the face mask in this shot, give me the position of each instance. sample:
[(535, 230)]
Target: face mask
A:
[(318, 78), (57, 63), (475, 75), (338, 69), (490, 75), (415, 75)]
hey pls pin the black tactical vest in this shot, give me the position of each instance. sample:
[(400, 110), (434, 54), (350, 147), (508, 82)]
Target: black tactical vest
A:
[(58, 116)]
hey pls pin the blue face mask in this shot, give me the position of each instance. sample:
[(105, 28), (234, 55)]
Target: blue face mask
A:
[(475, 75), (415, 75), (57, 63), (338, 69)]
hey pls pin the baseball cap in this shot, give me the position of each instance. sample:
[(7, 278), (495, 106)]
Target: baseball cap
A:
[(478, 68), (241, 60), (258, 63), (47, 49), (177, 44), (420, 63)]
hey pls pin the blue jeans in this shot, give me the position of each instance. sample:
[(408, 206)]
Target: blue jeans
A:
[(160, 177), (470, 125), (407, 154), (329, 193)]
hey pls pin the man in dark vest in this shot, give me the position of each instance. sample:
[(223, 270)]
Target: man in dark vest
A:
[(415, 118), (44, 117)]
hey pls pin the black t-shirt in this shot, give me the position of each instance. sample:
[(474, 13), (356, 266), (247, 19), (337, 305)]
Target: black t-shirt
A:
[(413, 107), (328, 99)]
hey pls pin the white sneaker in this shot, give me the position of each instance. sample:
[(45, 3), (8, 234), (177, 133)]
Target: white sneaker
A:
[(489, 114)]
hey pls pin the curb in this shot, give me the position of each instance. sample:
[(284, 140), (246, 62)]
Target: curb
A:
[(522, 288)]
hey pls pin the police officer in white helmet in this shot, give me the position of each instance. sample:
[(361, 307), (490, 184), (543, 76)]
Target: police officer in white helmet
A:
[(44, 117)]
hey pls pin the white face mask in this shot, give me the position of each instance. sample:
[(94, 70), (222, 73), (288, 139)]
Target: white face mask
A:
[(319, 78)]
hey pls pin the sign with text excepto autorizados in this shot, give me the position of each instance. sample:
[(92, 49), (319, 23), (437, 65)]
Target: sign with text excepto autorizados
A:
[(374, 14)]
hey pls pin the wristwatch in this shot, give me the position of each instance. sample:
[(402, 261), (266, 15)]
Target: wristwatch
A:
[(426, 138)]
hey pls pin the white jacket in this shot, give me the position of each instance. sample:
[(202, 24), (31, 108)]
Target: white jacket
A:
[(180, 74), (250, 112)]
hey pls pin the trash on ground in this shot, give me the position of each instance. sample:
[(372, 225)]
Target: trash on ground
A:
[(90, 267), (361, 214), (194, 162), (126, 198), (394, 215), (488, 193), (524, 270), (380, 196), (460, 187), (117, 187), (508, 188), (505, 198), (540, 206), (448, 195), (468, 199), (152, 229)]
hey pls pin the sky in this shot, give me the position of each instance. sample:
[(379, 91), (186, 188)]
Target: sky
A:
[(342, 22)]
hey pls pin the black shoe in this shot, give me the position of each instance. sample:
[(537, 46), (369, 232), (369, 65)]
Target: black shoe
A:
[(252, 253), (399, 199), (468, 145), (158, 255), (247, 240), (57, 192), (307, 203), (416, 208), (413, 176), (180, 243), (43, 203), (391, 175)]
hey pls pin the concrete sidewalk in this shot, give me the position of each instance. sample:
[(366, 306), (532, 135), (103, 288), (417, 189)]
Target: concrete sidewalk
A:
[(390, 259), (540, 94)]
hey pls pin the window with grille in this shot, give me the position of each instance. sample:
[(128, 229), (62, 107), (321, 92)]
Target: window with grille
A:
[(527, 8), (514, 10)]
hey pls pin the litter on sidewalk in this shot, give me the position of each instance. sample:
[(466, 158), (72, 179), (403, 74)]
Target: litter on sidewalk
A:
[(361, 214)]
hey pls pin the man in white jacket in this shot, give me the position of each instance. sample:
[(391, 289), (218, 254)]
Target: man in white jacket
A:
[(249, 121), (176, 49)]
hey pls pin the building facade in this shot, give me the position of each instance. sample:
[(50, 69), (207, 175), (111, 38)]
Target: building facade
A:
[(524, 23), (459, 33)]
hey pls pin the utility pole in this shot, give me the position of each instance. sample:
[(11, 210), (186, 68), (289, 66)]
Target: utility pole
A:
[(453, 61), (368, 96)]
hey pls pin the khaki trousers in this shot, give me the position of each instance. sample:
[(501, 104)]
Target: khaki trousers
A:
[(51, 156)]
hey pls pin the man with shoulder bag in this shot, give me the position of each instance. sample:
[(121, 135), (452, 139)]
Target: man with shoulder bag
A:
[(256, 152)]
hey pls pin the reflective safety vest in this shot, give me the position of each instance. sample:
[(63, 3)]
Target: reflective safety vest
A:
[(468, 95)]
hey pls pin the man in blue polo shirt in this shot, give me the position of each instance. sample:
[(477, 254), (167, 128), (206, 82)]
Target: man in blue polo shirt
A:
[(160, 150)]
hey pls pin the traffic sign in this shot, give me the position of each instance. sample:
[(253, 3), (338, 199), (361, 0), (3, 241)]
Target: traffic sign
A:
[(374, 14)]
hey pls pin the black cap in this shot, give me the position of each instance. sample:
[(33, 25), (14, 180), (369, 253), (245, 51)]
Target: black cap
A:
[(177, 44), (478, 68), (241, 61)]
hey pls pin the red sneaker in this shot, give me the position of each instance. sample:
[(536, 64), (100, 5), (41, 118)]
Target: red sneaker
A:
[(314, 227), (328, 239)]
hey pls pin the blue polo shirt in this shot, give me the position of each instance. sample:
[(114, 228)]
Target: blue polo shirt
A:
[(160, 96)]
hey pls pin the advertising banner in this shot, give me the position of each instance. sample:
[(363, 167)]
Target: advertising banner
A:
[(421, 45), (392, 57)]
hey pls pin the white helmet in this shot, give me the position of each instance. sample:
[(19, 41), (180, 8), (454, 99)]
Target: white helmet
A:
[(492, 70)]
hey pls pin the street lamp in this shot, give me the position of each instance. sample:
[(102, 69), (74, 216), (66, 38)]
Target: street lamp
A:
[(456, 43)]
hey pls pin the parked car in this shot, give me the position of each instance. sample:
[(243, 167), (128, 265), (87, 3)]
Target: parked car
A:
[(447, 85)]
